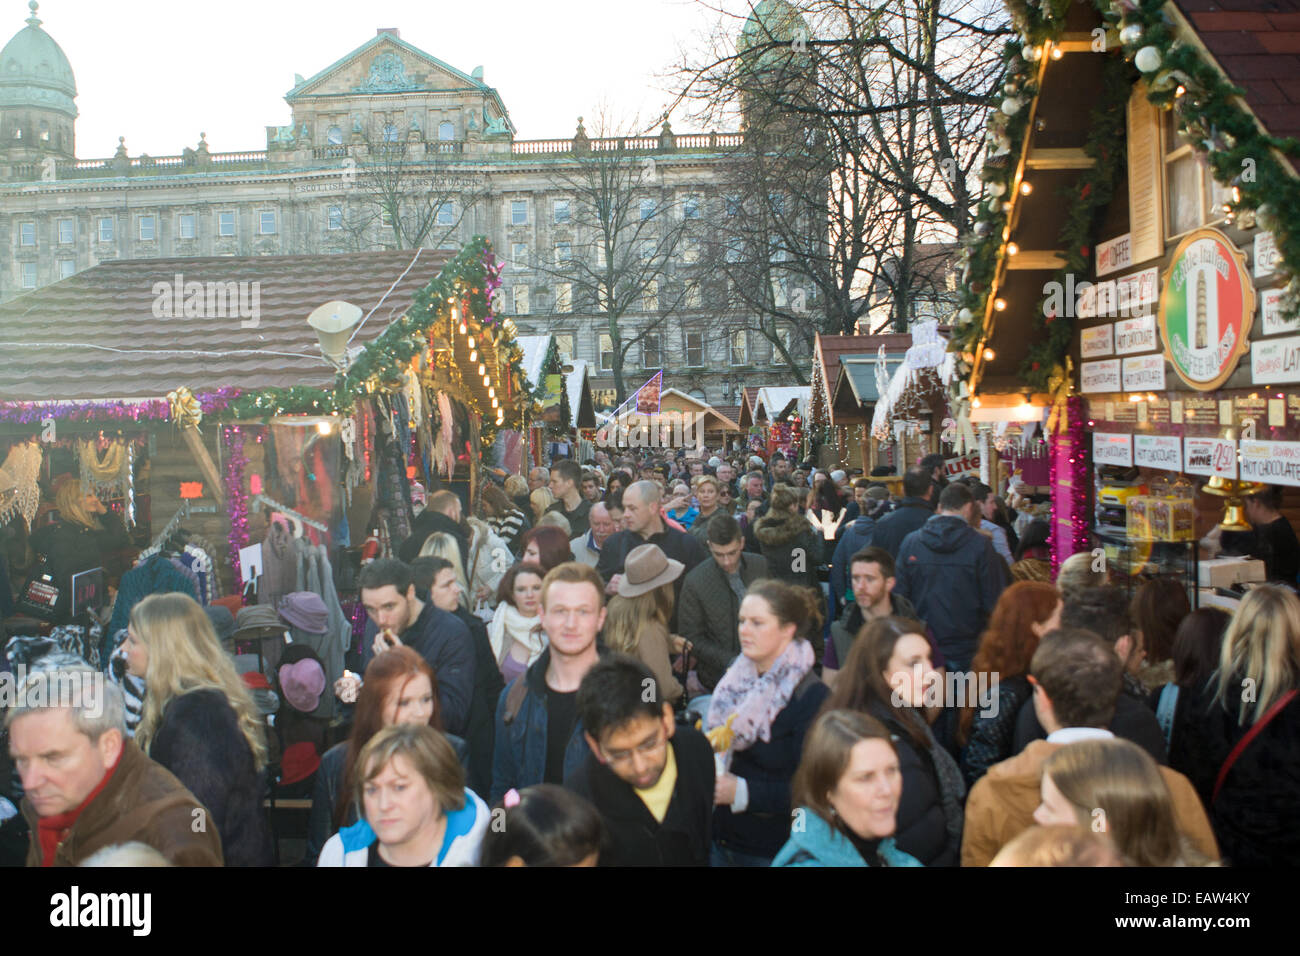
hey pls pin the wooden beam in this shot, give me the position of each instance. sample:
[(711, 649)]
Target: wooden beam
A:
[(1047, 260), (1059, 159), (194, 441), (1079, 42)]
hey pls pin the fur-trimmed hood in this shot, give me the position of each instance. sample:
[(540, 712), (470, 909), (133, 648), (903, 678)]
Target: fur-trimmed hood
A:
[(776, 529)]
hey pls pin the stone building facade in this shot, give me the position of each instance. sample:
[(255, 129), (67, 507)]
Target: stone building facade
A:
[(386, 121)]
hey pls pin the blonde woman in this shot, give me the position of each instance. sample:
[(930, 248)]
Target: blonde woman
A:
[(540, 500), (78, 541), (442, 545), (199, 720), (1113, 786), (1251, 787), (636, 621)]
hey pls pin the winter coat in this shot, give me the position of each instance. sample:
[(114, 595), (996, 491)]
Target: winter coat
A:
[(813, 842), (844, 630), (462, 842), (70, 547), (992, 737), (427, 523), (487, 688), (700, 526), (708, 615), (490, 558), (156, 575), (654, 649), (519, 750), (1002, 804), (856, 536), (445, 644), (199, 740), (141, 803), (1257, 815), (952, 575), (1133, 721), (893, 527), (921, 827), (636, 838), (768, 768), (579, 518), (328, 787), (792, 547)]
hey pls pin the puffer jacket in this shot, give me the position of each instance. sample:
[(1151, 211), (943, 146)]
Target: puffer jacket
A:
[(709, 615), (952, 575), (813, 842), (892, 528), (462, 843), (922, 829)]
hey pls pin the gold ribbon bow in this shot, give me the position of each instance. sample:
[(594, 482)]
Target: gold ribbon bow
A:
[(1059, 386), (185, 408)]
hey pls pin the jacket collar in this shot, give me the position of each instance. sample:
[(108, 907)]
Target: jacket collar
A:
[(618, 800), (831, 848)]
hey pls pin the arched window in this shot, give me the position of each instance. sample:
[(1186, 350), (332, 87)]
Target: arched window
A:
[(446, 131), (335, 136)]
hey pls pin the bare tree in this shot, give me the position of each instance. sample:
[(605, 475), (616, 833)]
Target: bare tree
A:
[(627, 234)]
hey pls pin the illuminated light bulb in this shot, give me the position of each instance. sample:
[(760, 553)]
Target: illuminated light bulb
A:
[(989, 355), (486, 381), (482, 369), (494, 403), (464, 329), (1135, 398), (1026, 188), (324, 427), (492, 392), (1181, 91), (1000, 304), (975, 402), (473, 355), (1057, 53), (1012, 248), (471, 342), (1151, 396)]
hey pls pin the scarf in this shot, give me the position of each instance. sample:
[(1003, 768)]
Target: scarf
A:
[(51, 831), (508, 625), (952, 785), (756, 699)]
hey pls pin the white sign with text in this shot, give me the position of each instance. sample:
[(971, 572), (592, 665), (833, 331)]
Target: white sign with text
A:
[(1135, 335), (1275, 361), (1097, 341), (1100, 376), (1144, 373), (1164, 452), (1270, 312), (1109, 448), (1272, 462), (1210, 457), (1114, 254)]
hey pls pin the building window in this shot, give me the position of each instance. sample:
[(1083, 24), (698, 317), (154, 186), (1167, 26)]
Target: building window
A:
[(650, 297), (67, 267), (334, 217), (266, 222), (693, 299), (519, 256), (779, 297), (1194, 197), (67, 231), (694, 349), (691, 207), (651, 352), (731, 206), (561, 211), (606, 353), (519, 212), (690, 249), (146, 229), (563, 253), (602, 260), (334, 137), (564, 346), (733, 249), (27, 234), (29, 275), (225, 224), (647, 208), (739, 348), (446, 131), (386, 218), (447, 214), (185, 226), (520, 293), (564, 297), (106, 229)]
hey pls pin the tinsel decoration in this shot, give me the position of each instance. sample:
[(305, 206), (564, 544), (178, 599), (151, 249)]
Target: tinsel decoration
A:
[(34, 413), (130, 484), (1072, 445), (236, 499)]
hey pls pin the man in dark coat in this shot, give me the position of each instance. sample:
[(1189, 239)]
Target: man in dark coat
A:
[(651, 780), (915, 508), (952, 576), (709, 611), (442, 513)]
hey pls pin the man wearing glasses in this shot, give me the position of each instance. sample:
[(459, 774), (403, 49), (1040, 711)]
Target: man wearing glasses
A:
[(651, 780)]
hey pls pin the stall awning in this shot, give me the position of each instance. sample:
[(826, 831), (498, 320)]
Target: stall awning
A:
[(856, 389)]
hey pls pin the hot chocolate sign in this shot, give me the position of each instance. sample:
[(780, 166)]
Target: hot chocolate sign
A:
[(1206, 309)]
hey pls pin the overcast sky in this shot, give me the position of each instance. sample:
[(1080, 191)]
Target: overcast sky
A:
[(160, 71)]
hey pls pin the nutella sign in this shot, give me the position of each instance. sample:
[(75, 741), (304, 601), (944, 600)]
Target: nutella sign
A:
[(1210, 457)]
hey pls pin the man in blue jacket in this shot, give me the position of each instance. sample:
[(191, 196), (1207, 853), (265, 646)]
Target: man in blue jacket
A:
[(913, 510), (952, 575), (538, 733)]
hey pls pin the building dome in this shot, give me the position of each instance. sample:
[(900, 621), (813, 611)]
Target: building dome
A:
[(34, 71), (771, 21)]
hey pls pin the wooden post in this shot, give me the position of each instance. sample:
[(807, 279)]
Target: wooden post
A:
[(207, 466)]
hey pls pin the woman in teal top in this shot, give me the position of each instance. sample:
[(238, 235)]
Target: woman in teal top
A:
[(847, 790)]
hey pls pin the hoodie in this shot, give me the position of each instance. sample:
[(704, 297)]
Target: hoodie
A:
[(461, 843), (953, 577)]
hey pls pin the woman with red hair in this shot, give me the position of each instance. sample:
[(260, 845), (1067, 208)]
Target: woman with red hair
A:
[(1024, 613), (545, 545), (399, 688)]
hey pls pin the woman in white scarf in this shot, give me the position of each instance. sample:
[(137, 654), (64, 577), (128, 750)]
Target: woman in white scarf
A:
[(515, 630)]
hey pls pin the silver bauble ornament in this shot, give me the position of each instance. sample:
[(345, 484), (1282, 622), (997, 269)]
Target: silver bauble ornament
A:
[(1147, 59)]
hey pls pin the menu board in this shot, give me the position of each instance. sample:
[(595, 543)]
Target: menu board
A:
[(1144, 373), (1275, 361), (1099, 340), (1136, 335), (1272, 462), (1102, 376)]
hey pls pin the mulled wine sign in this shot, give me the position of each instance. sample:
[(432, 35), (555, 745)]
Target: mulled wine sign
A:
[(1206, 309)]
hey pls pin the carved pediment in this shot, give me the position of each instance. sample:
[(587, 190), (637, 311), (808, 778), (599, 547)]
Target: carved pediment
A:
[(385, 66)]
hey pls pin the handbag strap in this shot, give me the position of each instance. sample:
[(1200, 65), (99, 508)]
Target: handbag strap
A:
[(1250, 735)]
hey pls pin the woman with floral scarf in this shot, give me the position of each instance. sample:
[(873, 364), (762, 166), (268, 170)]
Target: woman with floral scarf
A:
[(515, 630), (759, 713)]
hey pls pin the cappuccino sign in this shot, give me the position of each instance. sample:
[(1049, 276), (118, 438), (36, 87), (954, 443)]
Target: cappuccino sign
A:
[(1164, 452), (1210, 457), (1098, 340)]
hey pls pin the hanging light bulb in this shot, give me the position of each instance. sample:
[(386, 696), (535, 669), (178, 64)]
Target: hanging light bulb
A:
[(1057, 53), (989, 355), (1012, 248), (494, 403), (482, 369), (1000, 304), (486, 381), (473, 355), (492, 392), (1026, 188), (975, 403)]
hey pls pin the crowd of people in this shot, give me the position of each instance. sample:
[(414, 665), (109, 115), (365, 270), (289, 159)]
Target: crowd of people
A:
[(664, 661)]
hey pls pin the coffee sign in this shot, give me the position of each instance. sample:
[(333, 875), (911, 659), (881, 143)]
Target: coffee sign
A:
[(1206, 309)]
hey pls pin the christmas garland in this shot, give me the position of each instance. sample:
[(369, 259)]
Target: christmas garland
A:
[(1209, 112)]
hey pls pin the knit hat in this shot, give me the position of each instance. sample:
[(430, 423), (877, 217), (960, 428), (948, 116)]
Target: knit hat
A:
[(223, 622), (302, 684), (306, 610)]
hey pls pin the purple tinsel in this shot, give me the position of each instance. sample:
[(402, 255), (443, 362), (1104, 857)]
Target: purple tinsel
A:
[(236, 499), (158, 409)]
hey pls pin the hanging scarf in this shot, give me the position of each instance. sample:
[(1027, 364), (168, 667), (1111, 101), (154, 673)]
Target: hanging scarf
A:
[(508, 625), (103, 471), (22, 469), (756, 699)]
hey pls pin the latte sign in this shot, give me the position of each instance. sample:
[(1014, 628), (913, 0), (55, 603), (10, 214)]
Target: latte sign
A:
[(1206, 309)]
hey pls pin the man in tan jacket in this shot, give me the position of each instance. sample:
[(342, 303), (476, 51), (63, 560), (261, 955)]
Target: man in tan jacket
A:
[(1076, 678), (87, 787)]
